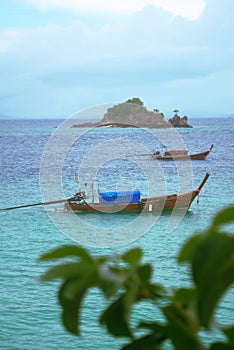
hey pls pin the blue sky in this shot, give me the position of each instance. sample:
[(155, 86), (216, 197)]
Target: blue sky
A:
[(58, 57)]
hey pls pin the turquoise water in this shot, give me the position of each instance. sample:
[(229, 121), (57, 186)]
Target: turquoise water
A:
[(29, 313)]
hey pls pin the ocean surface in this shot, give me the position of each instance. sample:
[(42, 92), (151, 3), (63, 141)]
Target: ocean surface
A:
[(38, 161)]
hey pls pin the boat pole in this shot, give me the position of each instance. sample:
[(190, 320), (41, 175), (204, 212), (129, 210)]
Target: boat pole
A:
[(203, 182), (36, 204), (136, 155)]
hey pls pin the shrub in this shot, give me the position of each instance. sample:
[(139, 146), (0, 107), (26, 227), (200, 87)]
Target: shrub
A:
[(128, 281)]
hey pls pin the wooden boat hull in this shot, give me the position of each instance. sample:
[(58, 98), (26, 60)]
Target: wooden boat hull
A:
[(167, 202), (174, 201), (196, 156), (96, 207)]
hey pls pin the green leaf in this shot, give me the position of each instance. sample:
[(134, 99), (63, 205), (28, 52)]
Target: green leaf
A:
[(147, 289), (182, 328), (158, 291), (229, 332), (185, 296), (71, 306), (221, 346), (153, 326), (226, 216), (147, 342), (71, 294), (133, 256), (130, 297), (180, 317), (182, 340), (70, 270), (66, 251), (187, 251), (145, 272), (116, 319), (61, 271), (109, 281), (213, 272)]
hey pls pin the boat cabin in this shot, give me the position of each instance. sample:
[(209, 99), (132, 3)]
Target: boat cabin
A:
[(176, 152)]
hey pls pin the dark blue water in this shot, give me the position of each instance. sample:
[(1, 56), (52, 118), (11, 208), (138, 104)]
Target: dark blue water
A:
[(29, 314)]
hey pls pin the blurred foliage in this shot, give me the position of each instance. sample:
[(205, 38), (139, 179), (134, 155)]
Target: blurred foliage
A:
[(128, 281)]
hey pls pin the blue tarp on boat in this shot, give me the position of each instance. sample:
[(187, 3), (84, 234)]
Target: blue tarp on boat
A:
[(107, 198)]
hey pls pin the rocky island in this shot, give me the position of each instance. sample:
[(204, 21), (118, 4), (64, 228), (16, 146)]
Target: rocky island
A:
[(179, 122), (132, 113)]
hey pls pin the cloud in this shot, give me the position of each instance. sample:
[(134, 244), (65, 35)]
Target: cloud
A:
[(8, 40), (147, 51), (149, 34), (90, 5), (186, 8)]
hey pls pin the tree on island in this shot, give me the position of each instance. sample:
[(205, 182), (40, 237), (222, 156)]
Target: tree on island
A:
[(136, 101), (128, 281), (156, 111), (176, 111)]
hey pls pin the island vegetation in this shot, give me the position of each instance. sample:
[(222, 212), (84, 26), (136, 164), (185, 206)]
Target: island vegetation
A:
[(133, 113), (127, 280)]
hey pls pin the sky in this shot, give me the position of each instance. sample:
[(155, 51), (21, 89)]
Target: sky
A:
[(59, 57)]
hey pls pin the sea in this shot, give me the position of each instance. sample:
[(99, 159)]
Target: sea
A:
[(48, 160)]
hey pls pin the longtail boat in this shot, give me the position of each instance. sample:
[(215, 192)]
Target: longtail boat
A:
[(124, 202), (177, 155), (128, 202)]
